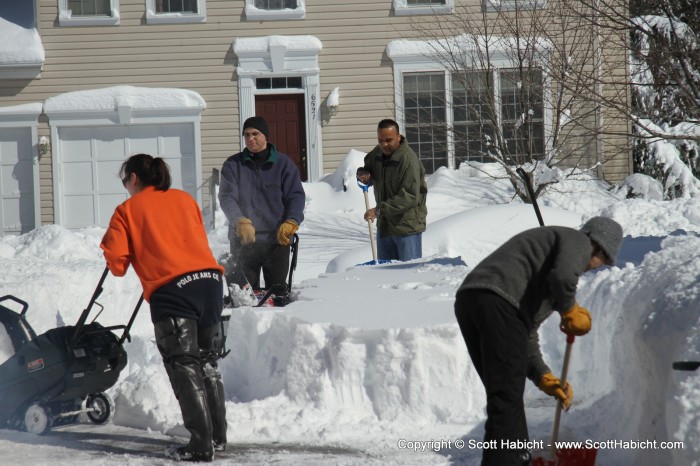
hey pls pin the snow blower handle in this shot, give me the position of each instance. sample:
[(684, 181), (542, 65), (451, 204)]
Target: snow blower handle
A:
[(86, 312), (560, 405), (365, 190)]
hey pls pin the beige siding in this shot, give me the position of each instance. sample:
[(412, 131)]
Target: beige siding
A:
[(200, 57)]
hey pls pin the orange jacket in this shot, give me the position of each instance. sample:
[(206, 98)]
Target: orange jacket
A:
[(162, 234)]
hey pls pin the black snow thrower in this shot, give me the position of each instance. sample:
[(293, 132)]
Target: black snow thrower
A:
[(53, 378)]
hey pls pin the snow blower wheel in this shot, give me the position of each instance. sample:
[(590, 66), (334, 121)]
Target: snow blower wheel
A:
[(37, 419), (100, 407)]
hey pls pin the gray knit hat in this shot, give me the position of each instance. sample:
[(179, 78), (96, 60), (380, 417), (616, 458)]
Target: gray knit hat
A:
[(607, 234)]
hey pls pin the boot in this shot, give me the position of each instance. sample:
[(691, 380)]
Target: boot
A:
[(217, 405), (212, 341), (176, 338)]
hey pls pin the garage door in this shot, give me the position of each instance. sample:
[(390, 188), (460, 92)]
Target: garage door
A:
[(17, 212), (90, 158)]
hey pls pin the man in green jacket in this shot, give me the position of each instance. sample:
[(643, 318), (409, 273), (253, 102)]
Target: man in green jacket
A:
[(400, 191)]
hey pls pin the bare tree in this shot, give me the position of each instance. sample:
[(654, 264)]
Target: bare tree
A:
[(526, 87)]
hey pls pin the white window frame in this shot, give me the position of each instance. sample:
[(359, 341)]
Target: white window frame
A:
[(402, 8), (175, 18), (423, 59), (512, 5), (66, 18), (252, 13)]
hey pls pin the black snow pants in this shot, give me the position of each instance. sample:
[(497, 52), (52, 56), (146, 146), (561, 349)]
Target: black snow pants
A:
[(189, 354), (496, 339), (272, 258)]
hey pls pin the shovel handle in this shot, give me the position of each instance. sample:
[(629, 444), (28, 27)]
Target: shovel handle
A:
[(369, 226), (560, 406)]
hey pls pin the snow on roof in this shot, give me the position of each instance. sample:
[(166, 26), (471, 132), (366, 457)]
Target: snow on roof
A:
[(18, 45), (111, 98), (463, 42), (263, 44), (33, 108)]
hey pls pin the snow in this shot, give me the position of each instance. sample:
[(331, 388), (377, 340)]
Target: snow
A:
[(368, 360), (455, 47), (243, 45), (111, 98), (19, 45), (31, 109)]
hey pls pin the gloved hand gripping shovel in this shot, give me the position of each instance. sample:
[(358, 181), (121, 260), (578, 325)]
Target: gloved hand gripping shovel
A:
[(562, 456)]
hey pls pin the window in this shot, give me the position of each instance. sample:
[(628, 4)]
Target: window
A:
[(425, 118), (511, 5), (90, 7), (267, 10), (278, 83), (88, 12), (275, 4), (175, 11), (423, 7), (446, 131)]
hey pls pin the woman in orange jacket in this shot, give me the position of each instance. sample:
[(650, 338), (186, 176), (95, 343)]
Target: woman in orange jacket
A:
[(160, 232)]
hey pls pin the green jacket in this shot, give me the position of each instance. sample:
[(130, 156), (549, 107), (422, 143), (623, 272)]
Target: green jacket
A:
[(399, 190)]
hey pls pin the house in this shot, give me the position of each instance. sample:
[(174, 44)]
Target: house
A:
[(85, 83)]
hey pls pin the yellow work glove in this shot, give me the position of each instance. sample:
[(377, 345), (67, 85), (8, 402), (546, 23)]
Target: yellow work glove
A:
[(552, 387), (576, 321), (245, 230), (285, 232)]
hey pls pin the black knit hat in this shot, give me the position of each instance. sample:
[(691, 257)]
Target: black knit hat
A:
[(607, 234), (258, 123)]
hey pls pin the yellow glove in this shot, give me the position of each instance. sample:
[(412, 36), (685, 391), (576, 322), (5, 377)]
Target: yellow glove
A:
[(576, 321), (285, 232), (552, 387), (245, 230)]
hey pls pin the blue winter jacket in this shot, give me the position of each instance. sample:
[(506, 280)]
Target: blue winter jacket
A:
[(268, 195)]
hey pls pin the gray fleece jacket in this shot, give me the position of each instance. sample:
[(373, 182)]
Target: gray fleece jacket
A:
[(536, 271)]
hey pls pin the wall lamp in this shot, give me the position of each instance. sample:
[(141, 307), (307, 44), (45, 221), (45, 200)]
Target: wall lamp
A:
[(43, 145), (332, 101)]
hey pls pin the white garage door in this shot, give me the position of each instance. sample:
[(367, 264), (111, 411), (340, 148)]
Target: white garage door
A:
[(17, 212), (90, 158)]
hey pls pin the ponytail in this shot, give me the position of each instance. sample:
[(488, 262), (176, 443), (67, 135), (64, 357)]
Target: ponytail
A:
[(151, 171)]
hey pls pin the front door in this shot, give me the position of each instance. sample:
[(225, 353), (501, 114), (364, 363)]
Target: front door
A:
[(284, 114)]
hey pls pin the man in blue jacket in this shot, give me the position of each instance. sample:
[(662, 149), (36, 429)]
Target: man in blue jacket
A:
[(263, 199)]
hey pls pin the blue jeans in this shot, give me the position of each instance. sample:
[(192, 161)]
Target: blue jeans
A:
[(403, 248)]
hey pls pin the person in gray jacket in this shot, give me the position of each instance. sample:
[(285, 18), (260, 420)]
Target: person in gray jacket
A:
[(263, 199), (500, 306)]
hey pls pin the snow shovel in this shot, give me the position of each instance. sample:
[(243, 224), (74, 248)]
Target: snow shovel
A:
[(565, 456)]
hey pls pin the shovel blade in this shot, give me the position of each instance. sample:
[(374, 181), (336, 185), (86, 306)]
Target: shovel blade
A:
[(568, 457)]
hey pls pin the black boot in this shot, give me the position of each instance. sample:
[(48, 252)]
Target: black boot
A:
[(176, 338), (212, 344), (217, 405)]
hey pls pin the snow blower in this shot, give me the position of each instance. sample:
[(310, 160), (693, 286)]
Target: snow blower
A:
[(239, 292), (558, 456), (53, 378)]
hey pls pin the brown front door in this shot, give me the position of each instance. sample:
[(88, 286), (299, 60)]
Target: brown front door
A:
[(284, 114)]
